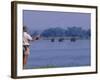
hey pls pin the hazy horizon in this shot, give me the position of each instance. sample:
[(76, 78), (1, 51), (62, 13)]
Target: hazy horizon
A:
[(40, 20)]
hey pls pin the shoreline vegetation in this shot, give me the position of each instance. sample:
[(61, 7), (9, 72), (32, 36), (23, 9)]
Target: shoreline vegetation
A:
[(43, 67), (60, 34), (48, 66)]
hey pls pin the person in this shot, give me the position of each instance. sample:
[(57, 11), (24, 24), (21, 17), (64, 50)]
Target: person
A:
[(26, 43)]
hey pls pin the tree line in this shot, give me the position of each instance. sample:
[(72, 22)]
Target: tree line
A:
[(69, 32)]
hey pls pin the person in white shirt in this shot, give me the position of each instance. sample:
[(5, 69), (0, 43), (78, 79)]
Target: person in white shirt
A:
[(26, 43)]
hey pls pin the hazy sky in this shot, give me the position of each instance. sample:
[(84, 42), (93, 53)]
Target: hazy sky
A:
[(40, 20)]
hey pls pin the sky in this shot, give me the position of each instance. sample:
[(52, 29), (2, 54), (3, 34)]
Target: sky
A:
[(40, 20)]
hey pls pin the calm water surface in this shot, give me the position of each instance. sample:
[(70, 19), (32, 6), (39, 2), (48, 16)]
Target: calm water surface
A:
[(44, 53)]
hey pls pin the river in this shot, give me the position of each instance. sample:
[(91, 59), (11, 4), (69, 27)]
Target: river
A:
[(44, 54)]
